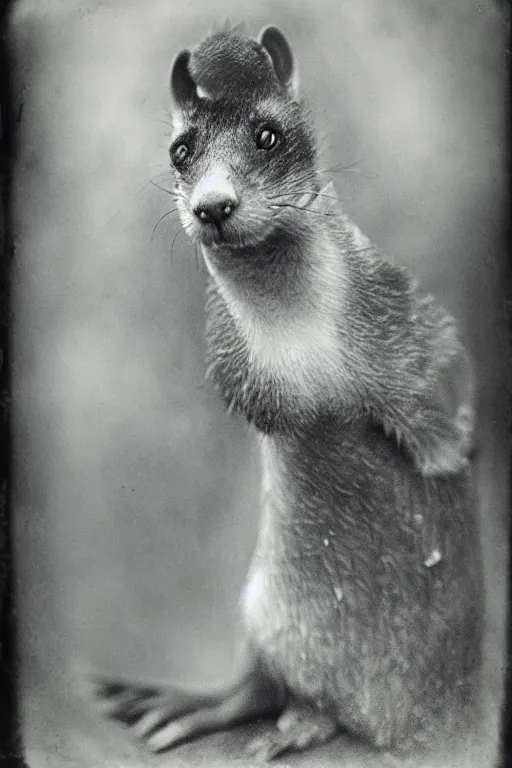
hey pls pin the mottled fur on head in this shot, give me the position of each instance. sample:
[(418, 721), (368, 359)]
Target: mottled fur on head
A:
[(229, 66)]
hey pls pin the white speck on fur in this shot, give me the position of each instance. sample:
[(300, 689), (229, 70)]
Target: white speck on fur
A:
[(202, 94), (434, 558), (339, 594), (253, 590), (326, 542)]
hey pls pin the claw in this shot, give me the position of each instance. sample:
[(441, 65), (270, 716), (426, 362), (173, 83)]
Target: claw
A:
[(166, 737), (149, 722), (265, 748)]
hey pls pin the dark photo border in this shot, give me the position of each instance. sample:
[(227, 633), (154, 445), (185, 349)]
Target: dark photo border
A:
[(10, 741)]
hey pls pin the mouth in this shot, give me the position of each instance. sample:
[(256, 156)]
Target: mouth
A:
[(227, 236), (213, 235)]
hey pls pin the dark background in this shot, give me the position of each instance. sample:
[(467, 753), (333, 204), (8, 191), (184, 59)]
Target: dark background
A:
[(135, 498)]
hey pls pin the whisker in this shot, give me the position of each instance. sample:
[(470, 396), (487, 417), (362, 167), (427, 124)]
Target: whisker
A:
[(159, 120), (358, 171), (162, 173), (370, 247), (199, 260), (292, 184), (303, 192), (164, 189), (300, 208), (174, 240), (306, 178), (174, 192), (340, 167), (173, 210), (147, 182)]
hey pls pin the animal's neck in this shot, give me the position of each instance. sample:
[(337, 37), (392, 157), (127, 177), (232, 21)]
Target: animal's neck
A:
[(264, 282), (286, 304)]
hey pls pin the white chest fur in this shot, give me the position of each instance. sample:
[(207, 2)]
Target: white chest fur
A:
[(304, 354)]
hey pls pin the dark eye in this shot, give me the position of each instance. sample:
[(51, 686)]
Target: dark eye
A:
[(179, 153), (266, 137)]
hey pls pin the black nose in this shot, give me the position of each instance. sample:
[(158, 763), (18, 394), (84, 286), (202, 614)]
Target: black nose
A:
[(215, 210)]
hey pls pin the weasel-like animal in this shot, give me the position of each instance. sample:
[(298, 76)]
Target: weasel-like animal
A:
[(363, 606)]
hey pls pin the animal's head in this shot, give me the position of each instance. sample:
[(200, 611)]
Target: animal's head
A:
[(243, 150)]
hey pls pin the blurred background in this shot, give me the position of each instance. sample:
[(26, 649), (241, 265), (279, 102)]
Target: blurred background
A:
[(136, 497)]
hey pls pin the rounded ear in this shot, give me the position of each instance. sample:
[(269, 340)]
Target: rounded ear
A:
[(282, 57), (182, 87)]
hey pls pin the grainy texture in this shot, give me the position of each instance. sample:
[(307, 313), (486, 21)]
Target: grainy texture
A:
[(112, 417)]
